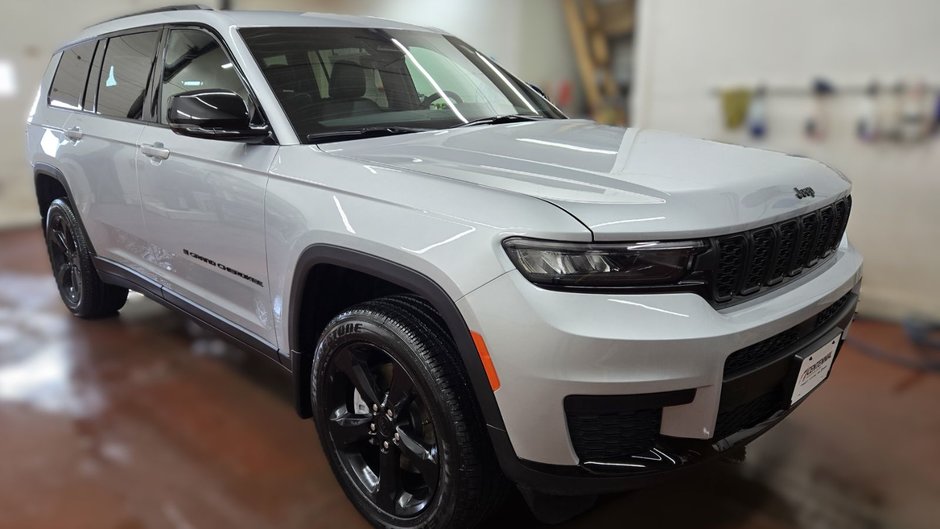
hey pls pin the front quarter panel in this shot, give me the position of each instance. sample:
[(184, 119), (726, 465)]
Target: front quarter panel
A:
[(448, 231)]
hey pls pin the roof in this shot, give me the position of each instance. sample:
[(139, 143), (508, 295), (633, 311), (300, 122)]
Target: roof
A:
[(222, 20)]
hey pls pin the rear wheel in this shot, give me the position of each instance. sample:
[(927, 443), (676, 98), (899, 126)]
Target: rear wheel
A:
[(82, 291), (397, 421)]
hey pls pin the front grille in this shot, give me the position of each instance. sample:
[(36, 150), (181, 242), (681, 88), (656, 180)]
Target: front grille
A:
[(761, 252), (763, 352), (746, 263), (787, 235), (804, 256), (731, 259)]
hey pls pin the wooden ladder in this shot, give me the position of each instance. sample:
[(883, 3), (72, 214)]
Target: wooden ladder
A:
[(591, 27)]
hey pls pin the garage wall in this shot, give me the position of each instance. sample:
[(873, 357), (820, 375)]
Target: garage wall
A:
[(687, 49), (528, 36)]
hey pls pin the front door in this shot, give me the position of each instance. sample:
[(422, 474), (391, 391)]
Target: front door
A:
[(203, 200)]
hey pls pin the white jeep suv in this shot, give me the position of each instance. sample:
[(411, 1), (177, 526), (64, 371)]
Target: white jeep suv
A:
[(468, 288)]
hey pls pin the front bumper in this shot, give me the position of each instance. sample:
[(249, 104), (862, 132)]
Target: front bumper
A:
[(548, 346)]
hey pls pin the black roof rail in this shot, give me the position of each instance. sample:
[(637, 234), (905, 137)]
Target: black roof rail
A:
[(184, 7)]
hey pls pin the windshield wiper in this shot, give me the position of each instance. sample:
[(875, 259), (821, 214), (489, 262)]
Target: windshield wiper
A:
[(498, 120), (368, 132)]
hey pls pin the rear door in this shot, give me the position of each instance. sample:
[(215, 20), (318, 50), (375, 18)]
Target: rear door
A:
[(203, 199), (98, 155), (56, 108)]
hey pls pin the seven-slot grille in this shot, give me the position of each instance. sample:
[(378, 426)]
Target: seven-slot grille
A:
[(750, 261)]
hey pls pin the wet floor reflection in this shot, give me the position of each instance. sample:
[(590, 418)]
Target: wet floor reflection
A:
[(149, 421)]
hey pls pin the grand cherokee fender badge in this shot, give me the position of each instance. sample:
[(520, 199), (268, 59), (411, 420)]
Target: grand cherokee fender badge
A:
[(805, 192), (221, 266)]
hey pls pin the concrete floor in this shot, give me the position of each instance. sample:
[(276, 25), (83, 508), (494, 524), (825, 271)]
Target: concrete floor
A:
[(146, 421)]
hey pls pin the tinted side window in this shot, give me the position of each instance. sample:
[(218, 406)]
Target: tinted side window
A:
[(125, 73), (68, 86), (196, 61)]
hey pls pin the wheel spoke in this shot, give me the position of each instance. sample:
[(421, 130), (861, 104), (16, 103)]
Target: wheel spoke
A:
[(60, 273), (422, 457), (360, 376), (400, 391), (59, 240), (389, 489), (76, 278), (347, 428), (67, 234)]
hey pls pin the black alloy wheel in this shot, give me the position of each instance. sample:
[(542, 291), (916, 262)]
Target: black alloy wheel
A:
[(398, 421), (66, 264), (384, 433)]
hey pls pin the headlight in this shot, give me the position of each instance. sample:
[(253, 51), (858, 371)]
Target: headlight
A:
[(563, 264)]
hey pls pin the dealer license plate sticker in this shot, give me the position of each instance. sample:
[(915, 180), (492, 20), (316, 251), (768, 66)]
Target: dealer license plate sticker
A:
[(814, 369)]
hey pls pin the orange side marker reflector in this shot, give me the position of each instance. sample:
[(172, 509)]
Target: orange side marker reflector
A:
[(485, 358)]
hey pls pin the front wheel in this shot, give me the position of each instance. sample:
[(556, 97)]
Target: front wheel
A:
[(397, 421)]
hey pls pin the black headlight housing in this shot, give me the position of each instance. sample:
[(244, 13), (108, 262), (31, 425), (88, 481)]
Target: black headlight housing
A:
[(604, 266)]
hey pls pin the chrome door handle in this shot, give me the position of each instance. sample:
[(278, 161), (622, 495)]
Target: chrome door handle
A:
[(157, 150), (74, 134)]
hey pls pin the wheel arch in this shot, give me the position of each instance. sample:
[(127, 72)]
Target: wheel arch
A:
[(406, 279), (50, 183)]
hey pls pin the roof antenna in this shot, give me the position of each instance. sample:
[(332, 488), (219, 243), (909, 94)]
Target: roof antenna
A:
[(225, 5)]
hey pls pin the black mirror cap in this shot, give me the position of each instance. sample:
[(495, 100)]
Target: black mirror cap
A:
[(214, 114)]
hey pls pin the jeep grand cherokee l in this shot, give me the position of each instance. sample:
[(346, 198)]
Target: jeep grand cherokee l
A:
[(468, 289)]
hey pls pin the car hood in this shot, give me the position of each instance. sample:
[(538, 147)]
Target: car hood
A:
[(620, 183)]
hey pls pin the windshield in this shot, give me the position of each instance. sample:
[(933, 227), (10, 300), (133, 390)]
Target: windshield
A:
[(337, 83)]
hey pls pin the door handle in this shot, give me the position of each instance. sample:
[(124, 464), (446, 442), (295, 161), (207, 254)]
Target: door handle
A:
[(74, 134), (157, 150)]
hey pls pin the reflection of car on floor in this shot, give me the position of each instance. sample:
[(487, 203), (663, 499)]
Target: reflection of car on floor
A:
[(469, 289)]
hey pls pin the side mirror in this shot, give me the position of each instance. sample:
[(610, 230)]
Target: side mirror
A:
[(215, 115)]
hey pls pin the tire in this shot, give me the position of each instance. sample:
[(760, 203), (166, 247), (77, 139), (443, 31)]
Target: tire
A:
[(368, 361), (80, 288)]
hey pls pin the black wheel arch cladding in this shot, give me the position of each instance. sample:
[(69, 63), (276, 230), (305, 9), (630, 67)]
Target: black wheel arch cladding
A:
[(409, 280)]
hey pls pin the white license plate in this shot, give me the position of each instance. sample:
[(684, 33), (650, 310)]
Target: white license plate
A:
[(814, 369)]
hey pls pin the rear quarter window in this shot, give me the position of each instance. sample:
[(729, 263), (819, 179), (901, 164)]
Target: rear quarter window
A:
[(68, 85)]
